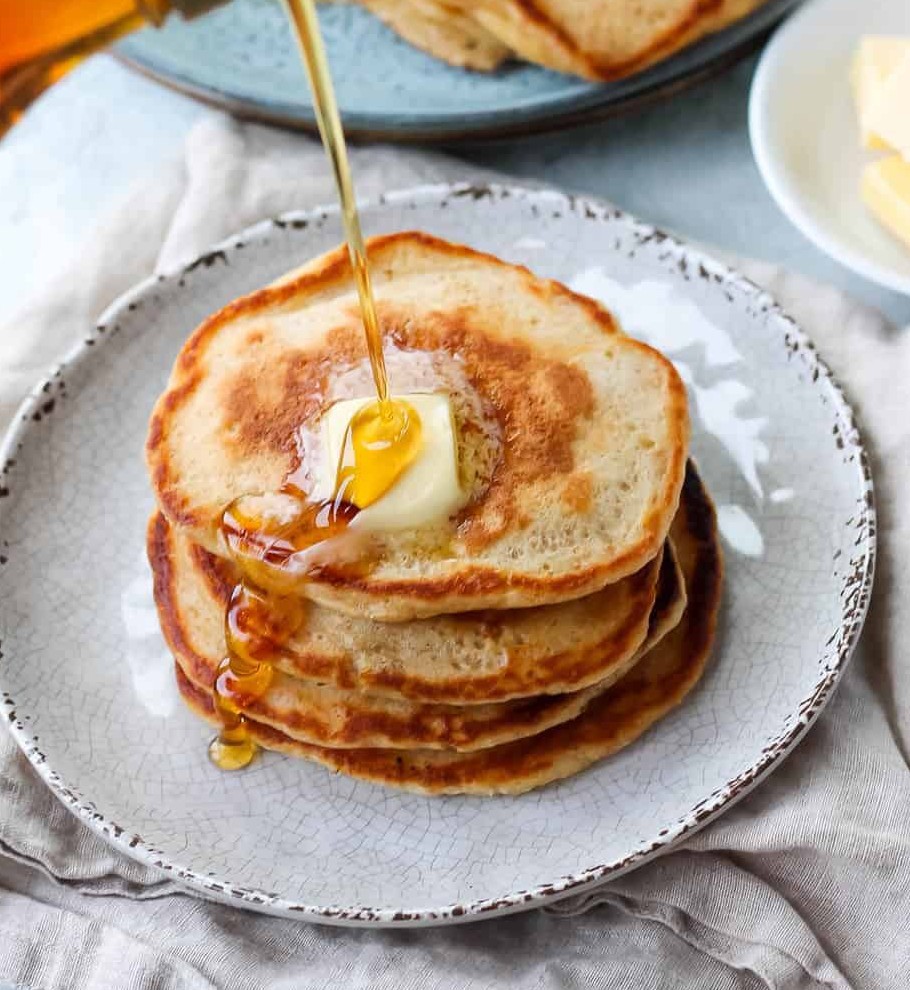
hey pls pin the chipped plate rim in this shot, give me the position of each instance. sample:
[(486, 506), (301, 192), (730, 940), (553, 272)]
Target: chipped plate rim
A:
[(835, 659)]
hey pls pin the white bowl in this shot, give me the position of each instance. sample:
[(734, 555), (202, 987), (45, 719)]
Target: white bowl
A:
[(805, 136)]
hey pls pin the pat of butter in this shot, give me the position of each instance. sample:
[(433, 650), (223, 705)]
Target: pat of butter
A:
[(877, 58), (889, 110), (886, 192), (428, 491)]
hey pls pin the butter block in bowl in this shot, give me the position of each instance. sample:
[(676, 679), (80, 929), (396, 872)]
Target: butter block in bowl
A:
[(874, 63), (886, 192), (880, 79)]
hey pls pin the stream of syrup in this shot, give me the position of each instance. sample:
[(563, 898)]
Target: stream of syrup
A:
[(275, 538)]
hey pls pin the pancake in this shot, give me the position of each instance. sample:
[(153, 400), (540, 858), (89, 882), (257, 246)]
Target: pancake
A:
[(460, 659), (443, 31), (601, 40), (721, 16), (328, 716), (573, 437), (611, 721)]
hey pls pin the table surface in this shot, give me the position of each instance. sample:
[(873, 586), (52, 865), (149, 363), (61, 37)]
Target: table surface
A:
[(684, 164)]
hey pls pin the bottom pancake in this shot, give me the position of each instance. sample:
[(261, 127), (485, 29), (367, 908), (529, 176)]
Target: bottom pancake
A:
[(611, 721)]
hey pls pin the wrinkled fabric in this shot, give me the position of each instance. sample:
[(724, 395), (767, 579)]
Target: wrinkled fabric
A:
[(803, 884)]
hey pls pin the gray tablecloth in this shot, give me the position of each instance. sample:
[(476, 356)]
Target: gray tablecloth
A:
[(806, 883)]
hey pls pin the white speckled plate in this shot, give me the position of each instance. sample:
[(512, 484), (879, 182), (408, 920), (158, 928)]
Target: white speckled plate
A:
[(86, 681)]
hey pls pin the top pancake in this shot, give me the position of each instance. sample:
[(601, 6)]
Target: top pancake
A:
[(572, 437)]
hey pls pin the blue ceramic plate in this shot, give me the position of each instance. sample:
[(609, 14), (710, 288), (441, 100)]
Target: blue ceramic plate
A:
[(242, 57)]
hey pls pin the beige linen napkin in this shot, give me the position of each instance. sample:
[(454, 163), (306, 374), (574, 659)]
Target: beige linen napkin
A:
[(805, 884)]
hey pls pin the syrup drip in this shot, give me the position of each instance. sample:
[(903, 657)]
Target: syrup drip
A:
[(280, 538), (269, 537)]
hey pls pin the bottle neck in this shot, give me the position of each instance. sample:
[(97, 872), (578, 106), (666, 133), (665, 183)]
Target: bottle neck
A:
[(153, 11), (46, 38), (156, 11), (187, 9)]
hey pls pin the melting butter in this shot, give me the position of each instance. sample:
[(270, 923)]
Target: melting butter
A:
[(427, 490), (381, 441)]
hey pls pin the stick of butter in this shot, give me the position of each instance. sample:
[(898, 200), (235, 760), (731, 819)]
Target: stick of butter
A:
[(889, 109), (876, 60), (886, 192), (428, 491)]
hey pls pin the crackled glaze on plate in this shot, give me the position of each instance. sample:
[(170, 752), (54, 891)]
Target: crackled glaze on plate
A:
[(242, 57), (81, 674)]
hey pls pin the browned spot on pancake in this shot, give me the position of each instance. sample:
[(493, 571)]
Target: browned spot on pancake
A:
[(578, 492), (666, 590), (537, 401), (346, 343), (264, 404), (220, 575)]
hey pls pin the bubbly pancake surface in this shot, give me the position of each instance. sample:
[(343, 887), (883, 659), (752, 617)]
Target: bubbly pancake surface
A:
[(572, 436), (315, 712), (611, 721)]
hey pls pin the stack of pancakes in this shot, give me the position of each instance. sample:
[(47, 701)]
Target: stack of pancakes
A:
[(569, 605), (600, 40)]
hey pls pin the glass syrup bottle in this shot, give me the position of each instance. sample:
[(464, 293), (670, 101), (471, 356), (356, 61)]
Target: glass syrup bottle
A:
[(41, 40)]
